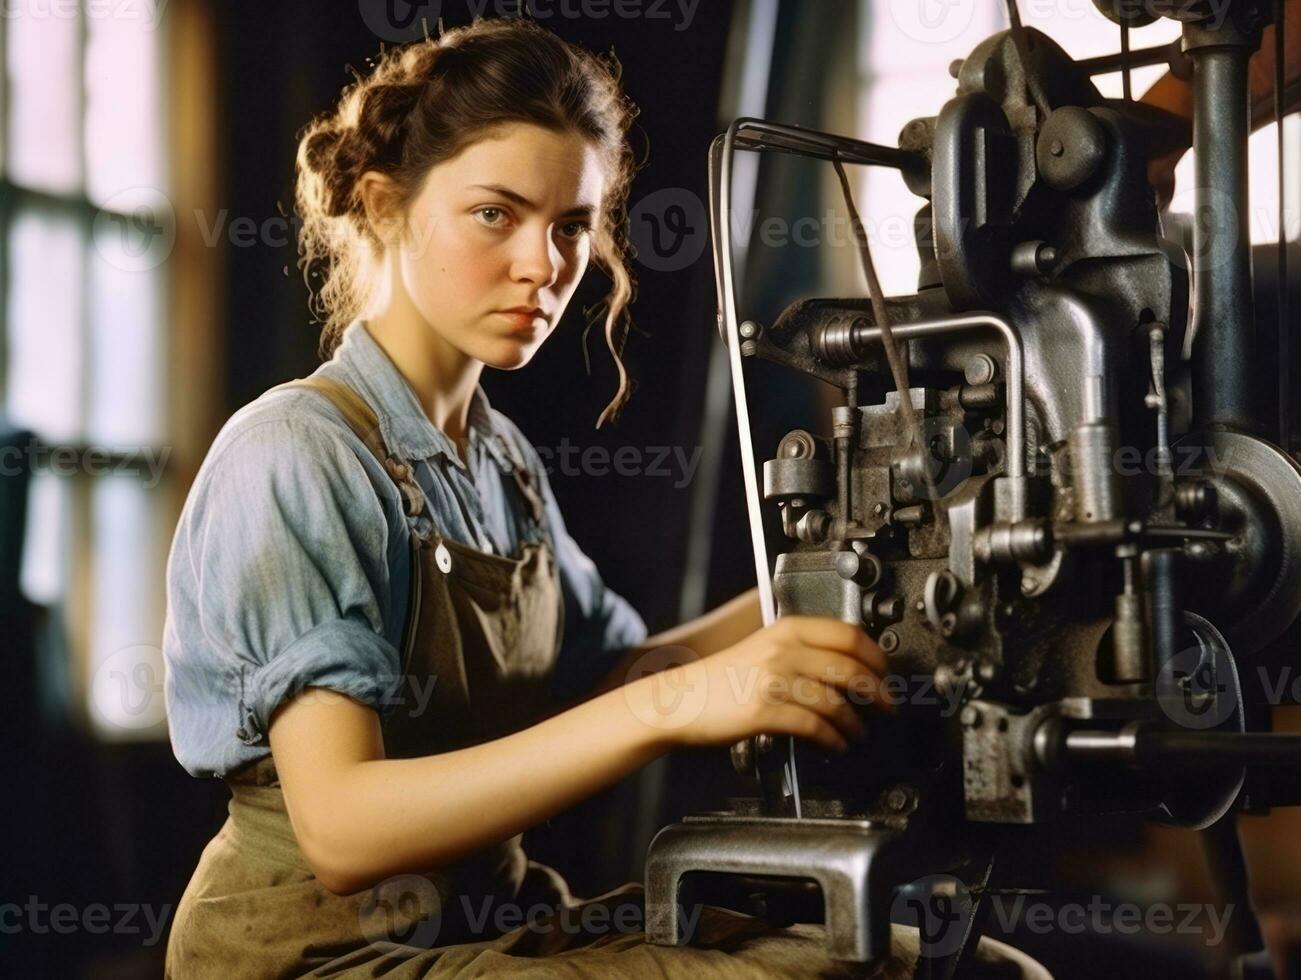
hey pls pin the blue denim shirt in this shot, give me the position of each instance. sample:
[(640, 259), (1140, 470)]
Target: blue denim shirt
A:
[(290, 563)]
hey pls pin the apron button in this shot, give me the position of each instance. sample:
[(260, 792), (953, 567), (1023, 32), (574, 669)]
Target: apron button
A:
[(443, 557)]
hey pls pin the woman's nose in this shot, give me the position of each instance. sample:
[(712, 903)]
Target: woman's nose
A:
[(537, 260)]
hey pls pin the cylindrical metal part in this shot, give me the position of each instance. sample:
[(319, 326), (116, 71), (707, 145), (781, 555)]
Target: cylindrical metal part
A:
[(1093, 448), (1152, 747), (1198, 749), (1100, 746), (1223, 319), (1030, 540), (976, 397), (1129, 663), (980, 370), (1183, 748), (1164, 604), (913, 514)]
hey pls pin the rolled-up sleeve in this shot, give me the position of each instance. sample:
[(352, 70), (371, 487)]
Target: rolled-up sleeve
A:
[(278, 581)]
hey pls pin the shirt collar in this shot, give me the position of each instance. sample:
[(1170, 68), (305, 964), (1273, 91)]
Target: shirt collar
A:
[(406, 429)]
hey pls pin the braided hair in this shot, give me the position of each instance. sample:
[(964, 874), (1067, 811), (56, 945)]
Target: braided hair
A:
[(422, 104)]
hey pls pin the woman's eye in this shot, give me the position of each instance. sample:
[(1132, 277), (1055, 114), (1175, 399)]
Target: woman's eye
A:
[(492, 217), (575, 229)]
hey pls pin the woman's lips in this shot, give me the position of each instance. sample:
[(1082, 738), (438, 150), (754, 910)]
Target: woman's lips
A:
[(523, 322)]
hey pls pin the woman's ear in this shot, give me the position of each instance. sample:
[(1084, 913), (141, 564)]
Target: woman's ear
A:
[(380, 199)]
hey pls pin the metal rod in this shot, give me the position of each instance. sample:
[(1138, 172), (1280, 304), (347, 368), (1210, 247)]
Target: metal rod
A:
[(727, 298), (1185, 749), (1223, 319), (762, 134), (1021, 42), (1137, 58), (1127, 87), (1284, 329), (1160, 567)]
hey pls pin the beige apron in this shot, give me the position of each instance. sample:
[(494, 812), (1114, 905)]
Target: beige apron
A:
[(485, 628)]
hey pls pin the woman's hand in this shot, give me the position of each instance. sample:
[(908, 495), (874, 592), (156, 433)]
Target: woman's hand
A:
[(788, 678)]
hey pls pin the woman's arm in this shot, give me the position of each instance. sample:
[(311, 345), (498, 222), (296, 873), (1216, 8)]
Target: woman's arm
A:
[(716, 630), (359, 817)]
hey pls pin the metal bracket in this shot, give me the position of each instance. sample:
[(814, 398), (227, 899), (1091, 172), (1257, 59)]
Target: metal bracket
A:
[(852, 861)]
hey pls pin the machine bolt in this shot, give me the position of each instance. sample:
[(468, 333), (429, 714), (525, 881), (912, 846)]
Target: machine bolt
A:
[(897, 799), (890, 608), (979, 370), (889, 641)]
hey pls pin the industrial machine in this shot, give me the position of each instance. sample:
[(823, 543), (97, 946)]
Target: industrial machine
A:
[(1051, 494)]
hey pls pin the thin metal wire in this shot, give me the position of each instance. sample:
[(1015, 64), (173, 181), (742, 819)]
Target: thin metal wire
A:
[(1284, 341), (1128, 88)]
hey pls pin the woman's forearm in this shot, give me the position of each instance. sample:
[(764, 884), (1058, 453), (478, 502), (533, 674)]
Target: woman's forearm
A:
[(515, 782), (387, 816), (716, 630)]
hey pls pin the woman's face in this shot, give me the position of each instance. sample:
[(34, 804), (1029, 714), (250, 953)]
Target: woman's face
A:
[(504, 224)]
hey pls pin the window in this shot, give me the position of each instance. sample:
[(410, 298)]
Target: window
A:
[(85, 229), (1262, 182)]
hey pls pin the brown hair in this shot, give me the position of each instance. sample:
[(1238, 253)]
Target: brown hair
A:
[(422, 104)]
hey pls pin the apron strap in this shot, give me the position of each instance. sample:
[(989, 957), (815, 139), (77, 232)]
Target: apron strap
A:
[(363, 421)]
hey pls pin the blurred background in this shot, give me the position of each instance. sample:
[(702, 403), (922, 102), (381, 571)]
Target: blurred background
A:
[(149, 288)]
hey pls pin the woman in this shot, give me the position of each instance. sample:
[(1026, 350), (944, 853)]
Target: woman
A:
[(371, 580)]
